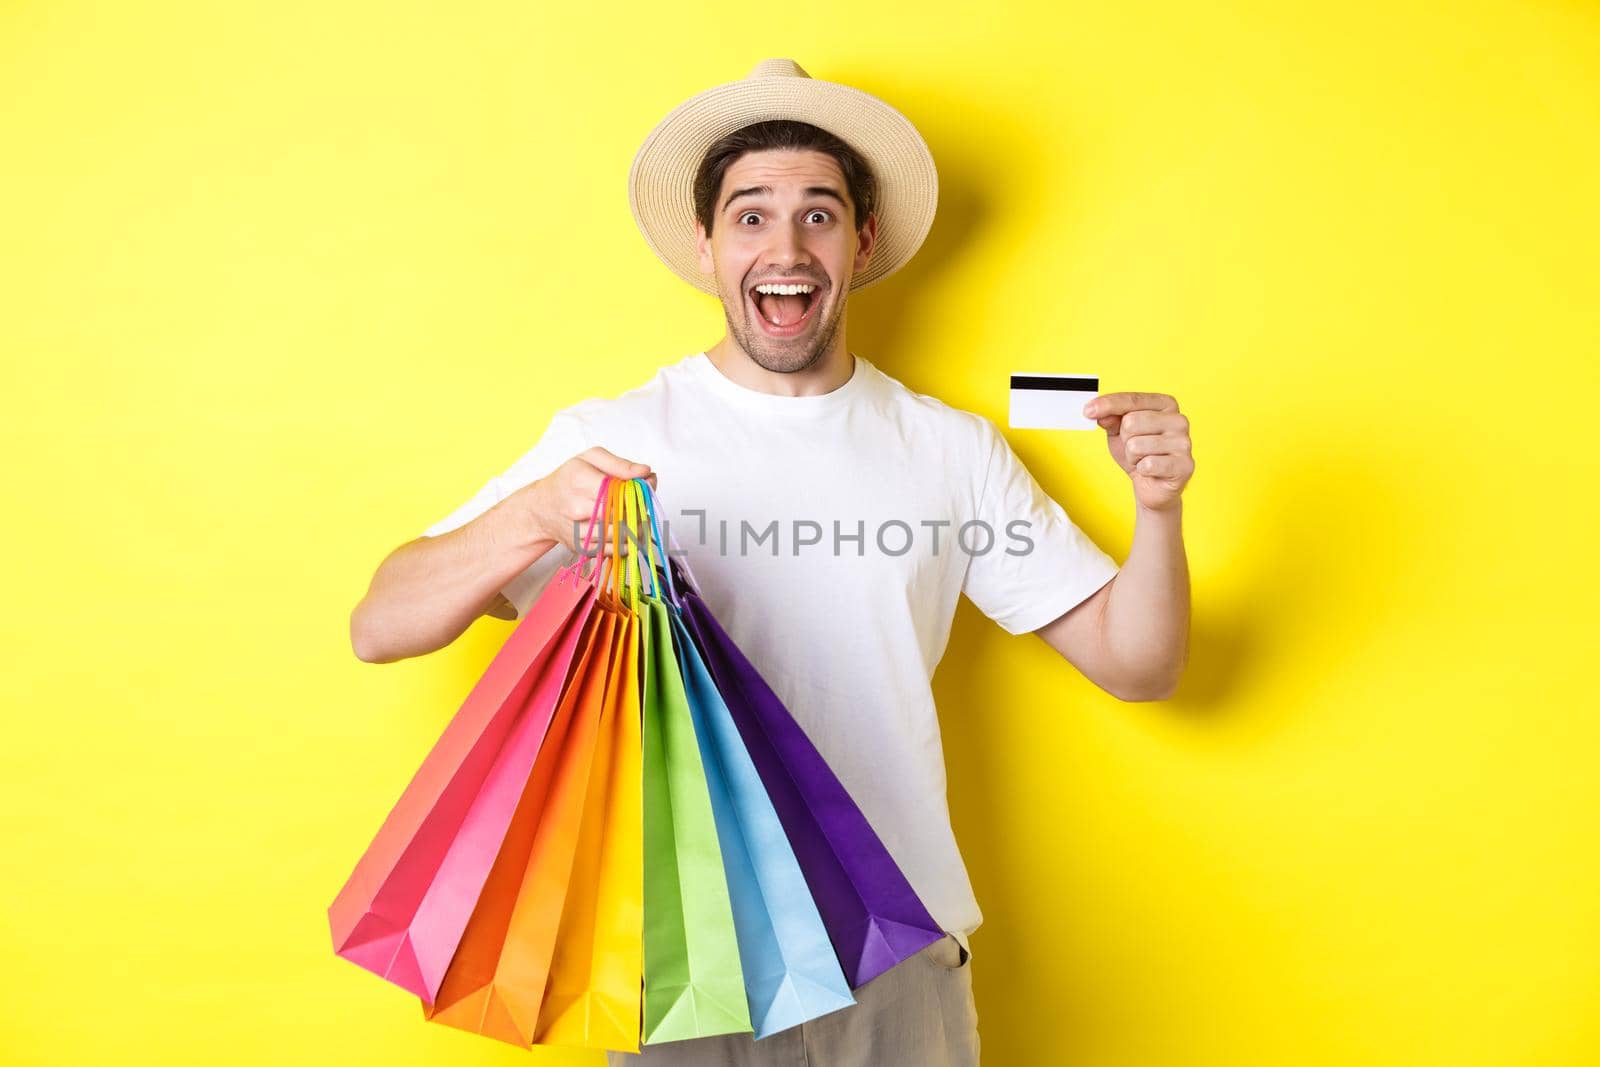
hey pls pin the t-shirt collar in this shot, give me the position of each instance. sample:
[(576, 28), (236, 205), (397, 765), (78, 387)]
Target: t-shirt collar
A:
[(744, 396)]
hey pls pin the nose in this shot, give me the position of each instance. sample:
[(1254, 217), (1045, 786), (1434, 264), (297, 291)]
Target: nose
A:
[(787, 250)]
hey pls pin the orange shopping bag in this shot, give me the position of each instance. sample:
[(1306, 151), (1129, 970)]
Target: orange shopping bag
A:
[(593, 996)]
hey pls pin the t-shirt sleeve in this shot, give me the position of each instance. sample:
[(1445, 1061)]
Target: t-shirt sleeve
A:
[(1040, 564), (562, 439)]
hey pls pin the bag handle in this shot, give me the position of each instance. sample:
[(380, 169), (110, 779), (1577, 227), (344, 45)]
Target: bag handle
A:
[(666, 562), (646, 540), (593, 576), (621, 575), (602, 575), (639, 571), (624, 579), (618, 502), (683, 561)]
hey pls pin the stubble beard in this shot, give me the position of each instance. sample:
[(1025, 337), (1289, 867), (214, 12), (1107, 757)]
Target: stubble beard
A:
[(778, 356)]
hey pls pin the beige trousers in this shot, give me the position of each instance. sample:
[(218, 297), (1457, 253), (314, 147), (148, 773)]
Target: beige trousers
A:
[(919, 1013)]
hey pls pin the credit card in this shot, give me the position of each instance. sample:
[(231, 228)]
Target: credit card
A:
[(1052, 401)]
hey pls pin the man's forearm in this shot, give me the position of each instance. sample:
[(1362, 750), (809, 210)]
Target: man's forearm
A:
[(428, 591), (1146, 621)]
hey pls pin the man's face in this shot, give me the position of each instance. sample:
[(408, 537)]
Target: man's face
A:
[(784, 216)]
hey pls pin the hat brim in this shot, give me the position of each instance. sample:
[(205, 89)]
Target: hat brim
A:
[(661, 180)]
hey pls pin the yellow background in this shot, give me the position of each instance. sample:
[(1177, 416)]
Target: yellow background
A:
[(283, 283)]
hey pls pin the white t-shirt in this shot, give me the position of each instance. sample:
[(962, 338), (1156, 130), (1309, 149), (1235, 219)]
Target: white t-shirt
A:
[(831, 536)]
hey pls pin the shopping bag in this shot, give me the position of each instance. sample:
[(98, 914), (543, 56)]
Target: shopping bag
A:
[(397, 913), (874, 917), (593, 996), (791, 973), (693, 984), (497, 978)]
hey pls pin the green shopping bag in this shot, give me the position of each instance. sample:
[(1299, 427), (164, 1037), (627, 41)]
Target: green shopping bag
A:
[(693, 983)]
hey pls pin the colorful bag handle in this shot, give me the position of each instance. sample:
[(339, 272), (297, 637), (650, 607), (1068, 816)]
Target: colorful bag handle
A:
[(577, 572), (621, 575), (624, 582), (655, 539), (666, 563), (639, 570), (604, 499), (683, 561), (610, 514), (618, 504)]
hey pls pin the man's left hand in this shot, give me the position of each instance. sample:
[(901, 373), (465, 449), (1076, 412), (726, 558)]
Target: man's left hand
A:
[(1149, 439)]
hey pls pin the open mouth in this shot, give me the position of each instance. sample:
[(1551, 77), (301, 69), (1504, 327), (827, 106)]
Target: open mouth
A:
[(785, 310)]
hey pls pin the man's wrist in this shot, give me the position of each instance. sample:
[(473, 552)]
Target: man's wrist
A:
[(1170, 515), (510, 528)]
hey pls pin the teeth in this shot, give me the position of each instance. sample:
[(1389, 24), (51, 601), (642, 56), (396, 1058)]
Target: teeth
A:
[(785, 290)]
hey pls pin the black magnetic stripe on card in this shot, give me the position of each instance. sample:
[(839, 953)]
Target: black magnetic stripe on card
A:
[(1073, 385)]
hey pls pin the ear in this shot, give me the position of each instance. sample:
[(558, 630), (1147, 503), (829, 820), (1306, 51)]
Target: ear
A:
[(702, 248), (868, 240)]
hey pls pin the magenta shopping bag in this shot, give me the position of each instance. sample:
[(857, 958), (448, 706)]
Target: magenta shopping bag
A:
[(402, 911)]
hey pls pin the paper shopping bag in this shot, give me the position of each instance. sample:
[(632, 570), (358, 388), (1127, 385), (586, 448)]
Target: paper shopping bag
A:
[(693, 985), (791, 973), (398, 915), (874, 917), (593, 996), (496, 979)]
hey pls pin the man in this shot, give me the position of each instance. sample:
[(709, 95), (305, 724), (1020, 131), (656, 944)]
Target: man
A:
[(832, 516)]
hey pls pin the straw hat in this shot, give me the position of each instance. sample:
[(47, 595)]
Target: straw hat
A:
[(661, 181)]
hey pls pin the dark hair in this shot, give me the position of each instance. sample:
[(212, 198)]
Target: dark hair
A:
[(781, 133)]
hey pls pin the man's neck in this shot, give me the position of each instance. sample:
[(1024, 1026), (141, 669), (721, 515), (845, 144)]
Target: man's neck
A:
[(824, 376)]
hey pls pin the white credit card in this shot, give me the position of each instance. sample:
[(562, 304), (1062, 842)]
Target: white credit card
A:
[(1052, 401)]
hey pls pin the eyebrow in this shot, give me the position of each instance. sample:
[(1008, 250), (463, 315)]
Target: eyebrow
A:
[(766, 190)]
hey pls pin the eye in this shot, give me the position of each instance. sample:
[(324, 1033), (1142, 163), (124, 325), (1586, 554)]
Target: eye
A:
[(819, 211), (747, 215)]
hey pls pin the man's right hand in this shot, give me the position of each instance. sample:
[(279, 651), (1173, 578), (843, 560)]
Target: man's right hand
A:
[(565, 496), (427, 591)]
